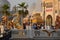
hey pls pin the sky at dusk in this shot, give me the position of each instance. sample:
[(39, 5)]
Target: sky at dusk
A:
[(33, 5)]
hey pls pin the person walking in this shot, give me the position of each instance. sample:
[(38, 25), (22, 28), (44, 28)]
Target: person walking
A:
[(1, 30), (34, 26)]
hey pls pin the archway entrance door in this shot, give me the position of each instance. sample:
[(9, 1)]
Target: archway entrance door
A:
[(49, 20)]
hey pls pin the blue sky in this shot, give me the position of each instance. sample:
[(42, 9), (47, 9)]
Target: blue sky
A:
[(33, 4)]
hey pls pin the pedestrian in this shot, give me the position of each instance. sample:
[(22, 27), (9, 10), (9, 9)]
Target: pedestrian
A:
[(48, 27), (42, 26), (24, 25), (38, 26), (1, 30), (27, 26), (34, 26)]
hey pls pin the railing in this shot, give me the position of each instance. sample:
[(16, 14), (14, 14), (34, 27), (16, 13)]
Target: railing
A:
[(35, 33), (5, 35)]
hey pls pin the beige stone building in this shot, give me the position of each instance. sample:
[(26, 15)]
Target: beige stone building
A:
[(50, 9)]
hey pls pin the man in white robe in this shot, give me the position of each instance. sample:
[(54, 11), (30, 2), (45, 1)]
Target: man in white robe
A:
[(1, 30)]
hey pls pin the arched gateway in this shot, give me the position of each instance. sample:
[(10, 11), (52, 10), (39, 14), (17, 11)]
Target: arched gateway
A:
[(49, 20)]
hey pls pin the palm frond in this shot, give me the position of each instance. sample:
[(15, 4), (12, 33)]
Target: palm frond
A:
[(5, 7), (22, 4), (25, 6)]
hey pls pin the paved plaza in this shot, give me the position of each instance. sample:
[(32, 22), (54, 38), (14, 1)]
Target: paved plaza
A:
[(30, 35)]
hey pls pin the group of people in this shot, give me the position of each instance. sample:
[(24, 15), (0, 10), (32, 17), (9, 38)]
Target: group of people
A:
[(11, 24), (37, 26), (32, 26)]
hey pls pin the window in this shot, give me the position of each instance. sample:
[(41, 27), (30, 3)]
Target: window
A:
[(59, 11), (49, 5), (55, 11)]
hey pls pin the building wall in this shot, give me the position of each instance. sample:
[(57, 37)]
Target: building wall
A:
[(51, 8), (59, 6)]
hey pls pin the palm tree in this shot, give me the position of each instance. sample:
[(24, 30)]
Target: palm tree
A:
[(23, 12), (5, 9)]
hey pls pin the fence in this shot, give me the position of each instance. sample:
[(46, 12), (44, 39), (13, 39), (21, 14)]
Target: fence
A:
[(34, 33)]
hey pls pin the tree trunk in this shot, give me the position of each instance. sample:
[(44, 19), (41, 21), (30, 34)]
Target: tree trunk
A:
[(21, 20)]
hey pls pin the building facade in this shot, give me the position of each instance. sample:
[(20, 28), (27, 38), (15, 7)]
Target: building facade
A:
[(50, 9)]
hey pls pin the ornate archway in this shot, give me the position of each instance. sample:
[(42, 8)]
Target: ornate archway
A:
[(49, 20)]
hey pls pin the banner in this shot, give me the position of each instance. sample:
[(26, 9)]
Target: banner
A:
[(49, 9)]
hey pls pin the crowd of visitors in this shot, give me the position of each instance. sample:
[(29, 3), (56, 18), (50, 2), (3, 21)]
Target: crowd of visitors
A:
[(37, 26), (5, 26)]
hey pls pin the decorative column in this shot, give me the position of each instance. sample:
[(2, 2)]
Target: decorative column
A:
[(44, 13)]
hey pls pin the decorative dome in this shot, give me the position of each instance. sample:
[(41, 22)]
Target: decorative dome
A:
[(2, 2)]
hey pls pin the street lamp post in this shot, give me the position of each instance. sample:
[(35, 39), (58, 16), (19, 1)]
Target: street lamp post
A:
[(29, 19), (44, 12)]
